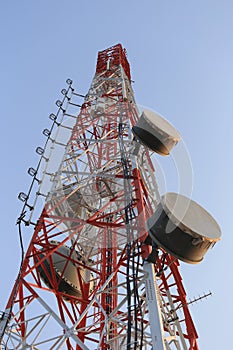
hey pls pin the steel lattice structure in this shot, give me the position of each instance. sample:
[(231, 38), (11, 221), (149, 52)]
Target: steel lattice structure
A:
[(85, 281)]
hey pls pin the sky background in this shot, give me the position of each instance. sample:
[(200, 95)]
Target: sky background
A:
[(181, 58)]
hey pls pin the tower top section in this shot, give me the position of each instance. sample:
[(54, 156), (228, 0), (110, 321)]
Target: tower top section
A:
[(111, 58)]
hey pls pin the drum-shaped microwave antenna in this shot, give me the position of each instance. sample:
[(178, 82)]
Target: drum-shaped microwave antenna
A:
[(155, 132), (69, 275), (183, 228)]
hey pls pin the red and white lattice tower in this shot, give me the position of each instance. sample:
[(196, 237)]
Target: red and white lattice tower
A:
[(90, 278)]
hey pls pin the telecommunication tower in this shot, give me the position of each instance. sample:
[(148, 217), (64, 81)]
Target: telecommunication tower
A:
[(101, 270)]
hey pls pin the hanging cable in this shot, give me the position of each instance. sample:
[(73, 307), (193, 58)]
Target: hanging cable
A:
[(129, 216), (139, 306), (135, 299), (7, 317)]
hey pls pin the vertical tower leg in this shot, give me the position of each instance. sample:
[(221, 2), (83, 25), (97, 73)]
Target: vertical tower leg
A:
[(155, 318)]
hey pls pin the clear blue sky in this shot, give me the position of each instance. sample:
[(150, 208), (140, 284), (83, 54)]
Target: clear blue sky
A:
[(181, 57)]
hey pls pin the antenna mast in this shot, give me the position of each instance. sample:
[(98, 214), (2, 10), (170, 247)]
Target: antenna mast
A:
[(92, 277)]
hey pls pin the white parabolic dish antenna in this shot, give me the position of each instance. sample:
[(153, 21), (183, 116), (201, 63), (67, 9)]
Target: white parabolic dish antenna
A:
[(183, 228), (155, 132)]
